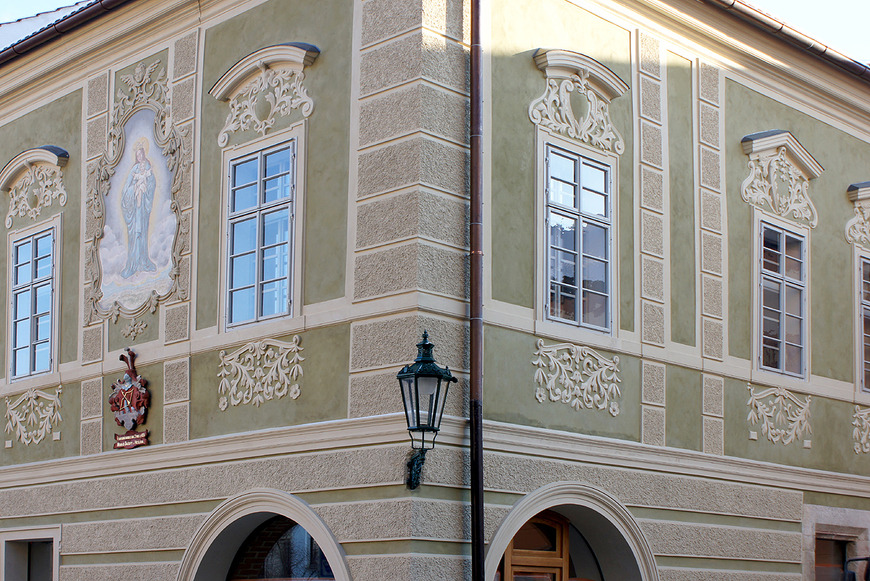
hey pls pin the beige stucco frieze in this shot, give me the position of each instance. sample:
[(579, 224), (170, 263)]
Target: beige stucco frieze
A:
[(858, 228), (784, 416), (33, 415), (569, 73), (577, 376), (33, 180), (780, 170), (272, 75), (260, 372)]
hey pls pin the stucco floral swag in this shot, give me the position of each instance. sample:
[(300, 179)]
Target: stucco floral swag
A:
[(861, 430), (577, 376), (553, 111), (784, 416), (37, 188), (33, 415), (763, 187), (260, 372)]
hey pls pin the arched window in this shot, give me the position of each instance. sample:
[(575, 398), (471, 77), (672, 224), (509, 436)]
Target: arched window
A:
[(279, 550)]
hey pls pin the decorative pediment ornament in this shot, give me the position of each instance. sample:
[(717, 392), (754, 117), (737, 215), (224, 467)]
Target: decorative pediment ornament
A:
[(861, 431), (779, 173), (34, 179), (33, 416), (260, 372), (577, 376), (858, 228), (132, 262), (263, 86), (784, 416), (593, 86)]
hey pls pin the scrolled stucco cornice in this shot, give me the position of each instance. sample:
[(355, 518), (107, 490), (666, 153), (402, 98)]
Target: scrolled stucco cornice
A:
[(295, 56), (563, 64)]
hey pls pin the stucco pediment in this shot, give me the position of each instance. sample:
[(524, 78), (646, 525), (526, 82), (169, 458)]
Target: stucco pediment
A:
[(568, 73), (780, 169), (34, 179), (274, 75)]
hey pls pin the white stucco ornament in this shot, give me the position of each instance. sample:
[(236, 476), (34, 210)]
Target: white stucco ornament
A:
[(590, 84), (264, 86), (259, 372), (33, 415), (34, 180), (784, 417), (861, 430), (577, 376), (858, 228), (780, 170)]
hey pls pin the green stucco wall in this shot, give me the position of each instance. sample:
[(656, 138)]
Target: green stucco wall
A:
[(328, 84), (683, 423), (519, 29), (681, 181)]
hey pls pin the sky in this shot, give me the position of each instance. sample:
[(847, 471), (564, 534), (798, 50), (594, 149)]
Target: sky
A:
[(840, 25)]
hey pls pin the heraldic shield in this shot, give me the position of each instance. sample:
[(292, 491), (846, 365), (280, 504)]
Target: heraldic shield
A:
[(129, 402)]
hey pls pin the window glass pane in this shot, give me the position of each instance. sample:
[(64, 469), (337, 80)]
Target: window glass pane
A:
[(562, 168), (278, 162), (771, 256), (244, 198), (793, 330), (43, 327), (770, 325), (277, 188), (770, 355), (244, 236), (536, 536), (594, 275), (22, 333), (21, 361), (43, 245), (594, 203), (793, 359), (563, 267), (593, 178), (43, 267), (793, 301), (275, 262), (594, 240), (563, 302), (275, 227), (43, 299), (794, 269), (793, 247), (244, 270), (23, 253), (242, 305), (41, 357), (245, 172), (770, 294), (23, 273), (22, 304), (275, 298), (563, 231), (594, 309), (562, 194)]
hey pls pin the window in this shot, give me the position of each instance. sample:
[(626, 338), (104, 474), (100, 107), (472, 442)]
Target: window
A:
[(260, 231), (32, 303), (830, 556), (280, 550), (578, 239), (782, 301), (865, 319)]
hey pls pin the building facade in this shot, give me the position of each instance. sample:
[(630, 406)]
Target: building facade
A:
[(228, 222)]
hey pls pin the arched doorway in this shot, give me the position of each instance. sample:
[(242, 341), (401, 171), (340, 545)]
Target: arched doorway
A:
[(569, 531), (263, 532)]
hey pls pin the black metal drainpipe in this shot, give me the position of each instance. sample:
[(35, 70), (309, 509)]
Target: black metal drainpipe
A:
[(476, 298)]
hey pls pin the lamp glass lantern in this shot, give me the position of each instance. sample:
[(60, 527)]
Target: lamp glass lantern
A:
[(424, 389)]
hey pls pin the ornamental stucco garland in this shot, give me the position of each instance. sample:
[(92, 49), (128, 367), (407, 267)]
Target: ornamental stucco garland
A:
[(568, 74), (784, 416), (577, 376), (260, 372), (144, 89), (861, 430), (33, 416), (39, 186)]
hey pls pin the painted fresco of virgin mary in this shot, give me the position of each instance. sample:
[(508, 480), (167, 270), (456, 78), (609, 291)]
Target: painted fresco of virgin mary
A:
[(137, 199)]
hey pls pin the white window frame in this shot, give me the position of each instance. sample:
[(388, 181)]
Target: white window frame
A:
[(554, 325), (54, 226), (35, 534), (763, 221), (862, 313), (295, 137)]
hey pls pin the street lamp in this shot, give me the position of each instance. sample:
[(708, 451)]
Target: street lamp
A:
[(424, 388)]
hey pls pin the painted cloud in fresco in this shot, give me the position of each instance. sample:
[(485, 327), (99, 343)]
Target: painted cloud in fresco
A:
[(136, 248)]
